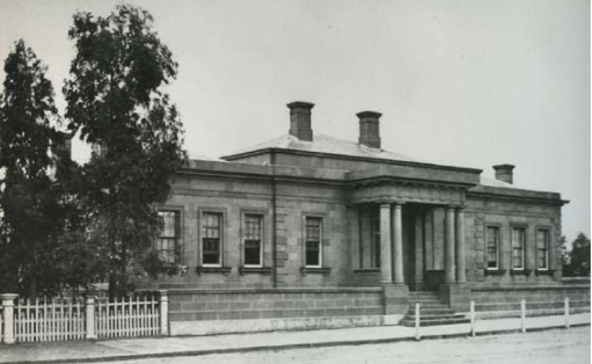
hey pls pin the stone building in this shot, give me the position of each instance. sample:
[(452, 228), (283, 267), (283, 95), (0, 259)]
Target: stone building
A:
[(308, 230)]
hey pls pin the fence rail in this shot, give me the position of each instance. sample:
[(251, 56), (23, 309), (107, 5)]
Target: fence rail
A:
[(58, 319)]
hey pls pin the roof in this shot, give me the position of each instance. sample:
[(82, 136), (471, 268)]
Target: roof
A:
[(490, 182), (325, 144)]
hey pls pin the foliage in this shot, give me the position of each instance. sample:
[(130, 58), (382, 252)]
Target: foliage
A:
[(115, 100), (576, 262), (30, 215)]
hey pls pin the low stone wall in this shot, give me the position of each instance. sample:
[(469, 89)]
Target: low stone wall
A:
[(206, 312), (492, 302)]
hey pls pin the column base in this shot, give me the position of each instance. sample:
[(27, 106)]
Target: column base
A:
[(395, 299), (456, 295)]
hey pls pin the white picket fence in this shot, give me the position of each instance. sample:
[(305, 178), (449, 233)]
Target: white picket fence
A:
[(60, 319), (127, 318), (49, 320)]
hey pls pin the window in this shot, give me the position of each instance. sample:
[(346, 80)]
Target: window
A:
[(253, 242), (375, 243), (313, 236), (212, 239), (168, 238), (543, 238), (493, 243), (518, 245)]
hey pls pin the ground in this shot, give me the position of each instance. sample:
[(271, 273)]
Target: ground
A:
[(555, 346)]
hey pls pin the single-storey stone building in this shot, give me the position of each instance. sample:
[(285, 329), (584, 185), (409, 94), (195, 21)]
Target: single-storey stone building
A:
[(308, 230)]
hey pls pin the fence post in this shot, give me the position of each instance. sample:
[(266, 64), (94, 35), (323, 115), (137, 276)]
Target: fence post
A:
[(417, 321), (8, 316), (566, 305), (473, 333), (90, 319), (164, 313), (523, 316)]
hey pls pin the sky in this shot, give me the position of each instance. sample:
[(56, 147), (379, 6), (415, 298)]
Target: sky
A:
[(468, 83)]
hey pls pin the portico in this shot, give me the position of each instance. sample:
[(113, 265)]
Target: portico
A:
[(410, 233)]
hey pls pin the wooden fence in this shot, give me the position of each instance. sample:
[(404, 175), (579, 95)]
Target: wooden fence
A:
[(58, 319), (128, 317)]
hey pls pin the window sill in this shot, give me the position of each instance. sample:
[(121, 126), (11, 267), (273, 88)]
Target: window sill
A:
[(367, 270), (495, 272), (521, 272), (307, 270), (222, 270), (254, 270), (546, 272)]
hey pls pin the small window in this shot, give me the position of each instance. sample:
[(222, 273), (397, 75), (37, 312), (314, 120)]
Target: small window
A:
[(518, 245), (493, 244), (375, 243), (212, 239), (168, 238), (543, 240), (313, 249), (253, 242)]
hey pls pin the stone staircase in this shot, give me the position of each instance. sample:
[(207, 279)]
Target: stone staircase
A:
[(432, 311)]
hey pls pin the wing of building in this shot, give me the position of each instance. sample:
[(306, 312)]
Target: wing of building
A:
[(308, 230)]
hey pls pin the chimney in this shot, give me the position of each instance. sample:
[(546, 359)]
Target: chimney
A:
[(300, 120), (504, 173), (369, 129)]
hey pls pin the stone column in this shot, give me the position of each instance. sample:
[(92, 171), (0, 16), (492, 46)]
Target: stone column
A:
[(398, 243), (460, 246), (8, 316), (419, 249), (449, 271), (386, 273), (164, 313), (428, 228), (90, 319)]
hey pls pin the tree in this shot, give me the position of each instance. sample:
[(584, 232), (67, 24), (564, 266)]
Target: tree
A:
[(29, 202), (576, 263), (115, 100)]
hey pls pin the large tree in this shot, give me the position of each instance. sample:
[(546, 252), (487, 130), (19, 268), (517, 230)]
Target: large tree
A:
[(30, 213), (576, 262), (115, 101)]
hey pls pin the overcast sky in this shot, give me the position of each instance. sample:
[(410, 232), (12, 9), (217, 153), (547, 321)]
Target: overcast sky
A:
[(459, 82)]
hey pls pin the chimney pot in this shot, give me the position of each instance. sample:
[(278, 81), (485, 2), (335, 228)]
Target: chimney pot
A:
[(369, 128), (300, 120), (504, 173)]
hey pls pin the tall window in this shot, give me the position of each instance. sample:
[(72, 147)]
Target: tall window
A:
[(543, 239), (314, 228), (168, 239), (212, 239), (253, 242), (375, 243), (518, 245), (493, 243)]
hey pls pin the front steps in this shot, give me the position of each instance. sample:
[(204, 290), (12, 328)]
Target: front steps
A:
[(432, 311)]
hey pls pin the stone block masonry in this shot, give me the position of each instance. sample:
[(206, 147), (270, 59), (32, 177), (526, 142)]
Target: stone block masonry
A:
[(204, 312)]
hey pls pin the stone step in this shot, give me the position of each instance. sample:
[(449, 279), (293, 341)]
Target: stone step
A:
[(431, 311)]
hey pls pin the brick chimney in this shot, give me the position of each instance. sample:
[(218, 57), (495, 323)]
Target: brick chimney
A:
[(504, 173), (369, 129), (300, 120)]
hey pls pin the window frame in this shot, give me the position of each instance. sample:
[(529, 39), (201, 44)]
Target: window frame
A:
[(498, 227), (262, 241), (179, 229), (322, 227), (222, 239), (548, 230), (524, 228)]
